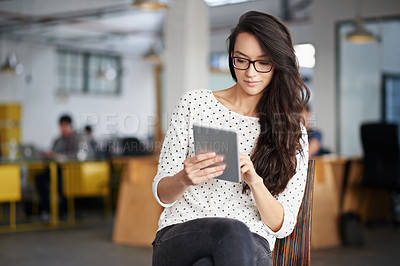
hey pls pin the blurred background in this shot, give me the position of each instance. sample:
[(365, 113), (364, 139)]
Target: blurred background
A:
[(117, 68)]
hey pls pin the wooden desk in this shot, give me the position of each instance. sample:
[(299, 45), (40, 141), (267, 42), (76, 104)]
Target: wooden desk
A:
[(368, 203), (325, 215), (137, 211)]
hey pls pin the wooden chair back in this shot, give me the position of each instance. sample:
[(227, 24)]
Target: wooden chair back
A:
[(295, 248)]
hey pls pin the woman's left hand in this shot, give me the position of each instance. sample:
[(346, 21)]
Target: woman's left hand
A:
[(249, 174)]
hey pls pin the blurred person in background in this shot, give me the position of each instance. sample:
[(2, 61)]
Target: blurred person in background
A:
[(314, 135), (89, 137), (65, 147)]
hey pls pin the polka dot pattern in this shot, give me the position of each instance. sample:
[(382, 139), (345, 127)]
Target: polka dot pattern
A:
[(218, 198)]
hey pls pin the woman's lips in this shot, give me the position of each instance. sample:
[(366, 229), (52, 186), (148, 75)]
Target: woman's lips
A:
[(252, 83)]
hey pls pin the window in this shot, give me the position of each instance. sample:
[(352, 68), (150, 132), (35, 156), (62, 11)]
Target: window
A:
[(88, 73), (219, 77), (305, 54), (391, 98), (219, 62), (70, 72)]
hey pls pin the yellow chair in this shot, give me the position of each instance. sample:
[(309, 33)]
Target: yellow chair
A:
[(85, 179), (10, 188)]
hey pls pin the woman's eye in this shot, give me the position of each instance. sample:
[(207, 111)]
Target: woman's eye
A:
[(264, 63)]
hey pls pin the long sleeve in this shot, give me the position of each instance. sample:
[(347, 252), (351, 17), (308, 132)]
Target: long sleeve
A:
[(175, 147), (292, 196)]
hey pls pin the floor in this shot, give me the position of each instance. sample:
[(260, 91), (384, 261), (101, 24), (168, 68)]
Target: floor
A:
[(81, 245), (91, 245), (382, 247)]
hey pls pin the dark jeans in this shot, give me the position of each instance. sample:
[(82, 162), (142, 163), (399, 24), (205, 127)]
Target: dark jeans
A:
[(210, 241), (42, 181)]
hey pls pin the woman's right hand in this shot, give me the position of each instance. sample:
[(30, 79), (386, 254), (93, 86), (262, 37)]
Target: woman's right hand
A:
[(199, 169)]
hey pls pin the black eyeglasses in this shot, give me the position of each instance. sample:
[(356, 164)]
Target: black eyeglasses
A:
[(262, 66)]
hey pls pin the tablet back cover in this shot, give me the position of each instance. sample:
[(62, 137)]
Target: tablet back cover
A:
[(222, 142)]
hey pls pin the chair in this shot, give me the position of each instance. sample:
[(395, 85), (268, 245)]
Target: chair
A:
[(295, 248), (381, 163), (10, 189), (380, 143), (85, 179)]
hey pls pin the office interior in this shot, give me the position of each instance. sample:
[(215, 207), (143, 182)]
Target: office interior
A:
[(120, 69)]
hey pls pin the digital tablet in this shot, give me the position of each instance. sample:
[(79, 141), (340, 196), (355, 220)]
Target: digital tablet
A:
[(222, 142)]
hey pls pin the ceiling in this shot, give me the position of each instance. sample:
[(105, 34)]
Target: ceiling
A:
[(114, 25)]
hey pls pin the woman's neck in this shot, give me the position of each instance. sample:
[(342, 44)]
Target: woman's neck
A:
[(239, 101)]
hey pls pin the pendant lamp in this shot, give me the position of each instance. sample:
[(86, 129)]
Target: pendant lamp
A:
[(360, 34), (11, 66), (150, 4)]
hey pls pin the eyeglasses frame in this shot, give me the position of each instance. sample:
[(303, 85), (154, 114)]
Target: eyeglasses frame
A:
[(250, 62)]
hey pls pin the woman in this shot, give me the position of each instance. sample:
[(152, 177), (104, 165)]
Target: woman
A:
[(207, 221)]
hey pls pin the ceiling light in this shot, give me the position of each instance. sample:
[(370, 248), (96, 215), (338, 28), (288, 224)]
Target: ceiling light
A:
[(224, 2), (360, 34), (150, 4), (11, 66)]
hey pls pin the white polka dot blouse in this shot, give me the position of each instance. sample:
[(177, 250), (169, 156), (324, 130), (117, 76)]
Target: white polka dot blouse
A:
[(218, 198)]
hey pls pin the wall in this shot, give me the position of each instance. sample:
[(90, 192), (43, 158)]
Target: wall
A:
[(360, 79), (129, 113), (325, 14), (186, 33)]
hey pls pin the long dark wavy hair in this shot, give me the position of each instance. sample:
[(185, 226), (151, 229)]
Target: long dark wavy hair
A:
[(281, 103)]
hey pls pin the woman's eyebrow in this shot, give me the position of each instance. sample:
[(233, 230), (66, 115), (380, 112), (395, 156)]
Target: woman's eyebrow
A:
[(242, 54)]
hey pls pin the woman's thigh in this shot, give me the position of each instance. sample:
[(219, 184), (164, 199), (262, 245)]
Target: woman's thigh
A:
[(226, 241), (181, 244), (185, 243), (262, 250)]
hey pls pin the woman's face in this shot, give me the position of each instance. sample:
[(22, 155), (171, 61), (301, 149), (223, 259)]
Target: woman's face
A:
[(251, 81)]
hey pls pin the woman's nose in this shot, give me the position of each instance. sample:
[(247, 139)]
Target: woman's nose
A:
[(251, 71)]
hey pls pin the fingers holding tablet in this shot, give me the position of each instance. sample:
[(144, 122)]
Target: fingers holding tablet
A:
[(203, 167)]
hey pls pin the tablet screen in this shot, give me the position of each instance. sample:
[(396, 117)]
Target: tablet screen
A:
[(222, 142)]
